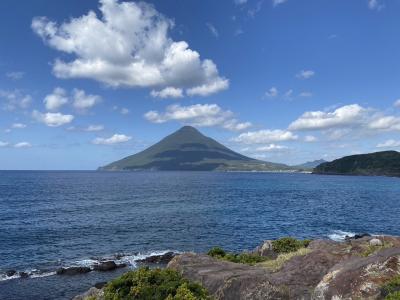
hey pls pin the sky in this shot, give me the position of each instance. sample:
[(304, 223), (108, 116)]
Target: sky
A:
[(84, 83)]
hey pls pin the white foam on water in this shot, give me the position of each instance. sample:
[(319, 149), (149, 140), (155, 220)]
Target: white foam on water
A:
[(43, 274), (340, 235)]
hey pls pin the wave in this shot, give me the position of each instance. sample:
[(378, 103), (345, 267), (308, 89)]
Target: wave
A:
[(131, 260), (340, 235)]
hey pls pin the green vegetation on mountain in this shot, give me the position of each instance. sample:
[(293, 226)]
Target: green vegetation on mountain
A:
[(386, 163), (156, 284), (188, 149)]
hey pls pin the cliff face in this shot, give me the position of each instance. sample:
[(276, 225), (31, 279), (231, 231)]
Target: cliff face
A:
[(385, 163), (356, 269)]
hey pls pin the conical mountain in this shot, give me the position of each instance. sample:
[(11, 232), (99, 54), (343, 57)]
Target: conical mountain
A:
[(188, 149)]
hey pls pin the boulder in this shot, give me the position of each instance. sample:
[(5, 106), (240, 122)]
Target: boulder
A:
[(375, 242), (23, 274), (73, 270), (105, 266), (158, 259), (360, 277), (10, 273), (266, 250), (94, 293), (100, 285)]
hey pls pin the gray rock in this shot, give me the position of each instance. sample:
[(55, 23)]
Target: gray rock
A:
[(98, 294), (73, 270), (265, 250), (158, 259), (10, 273), (23, 275), (375, 242), (105, 266)]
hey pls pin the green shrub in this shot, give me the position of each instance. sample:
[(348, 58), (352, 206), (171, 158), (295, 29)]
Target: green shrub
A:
[(216, 252), (156, 284), (393, 296), (289, 244), (241, 258), (392, 289)]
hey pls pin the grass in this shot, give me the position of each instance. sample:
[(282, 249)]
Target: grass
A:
[(369, 250), (155, 284), (391, 290), (276, 264), (242, 258)]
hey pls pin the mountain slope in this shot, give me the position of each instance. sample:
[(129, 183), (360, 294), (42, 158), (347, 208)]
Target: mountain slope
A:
[(386, 163), (310, 164), (188, 149)]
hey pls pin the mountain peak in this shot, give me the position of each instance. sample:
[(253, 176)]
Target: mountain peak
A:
[(188, 149)]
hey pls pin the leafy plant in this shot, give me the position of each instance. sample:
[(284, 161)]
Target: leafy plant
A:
[(392, 289), (289, 244), (155, 284), (241, 258)]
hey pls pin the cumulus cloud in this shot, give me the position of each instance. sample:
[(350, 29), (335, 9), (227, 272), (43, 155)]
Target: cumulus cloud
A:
[(128, 45), (389, 144), (375, 5), (310, 138), (18, 126), (202, 115), (56, 99), (115, 139), (305, 74), (272, 92), (278, 2), (168, 92), (271, 148), (15, 75), (14, 100), (83, 101), (94, 128), (397, 103), (22, 145), (265, 136), (52, 119), (315, 120)]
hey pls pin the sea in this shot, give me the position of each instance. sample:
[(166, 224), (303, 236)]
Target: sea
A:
[(59, 219)]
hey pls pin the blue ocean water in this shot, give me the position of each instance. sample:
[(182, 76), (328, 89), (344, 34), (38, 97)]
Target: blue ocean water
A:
[(53, 219)]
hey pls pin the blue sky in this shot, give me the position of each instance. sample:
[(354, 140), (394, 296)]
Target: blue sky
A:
[(84, 83)]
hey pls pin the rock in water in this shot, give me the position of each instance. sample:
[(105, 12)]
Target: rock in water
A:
[(10, 273), (105, 266), (23, 275), (158, 259), (73, 270)]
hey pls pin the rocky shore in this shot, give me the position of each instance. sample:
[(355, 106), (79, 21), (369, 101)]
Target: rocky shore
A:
[(362, 267)]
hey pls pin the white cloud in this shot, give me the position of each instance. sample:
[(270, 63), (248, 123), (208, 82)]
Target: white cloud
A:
[(385, 123), (4, 144), (265, 136), (15, 75), (240, 2), (168, 92), (124, 111), (272, 92), (306, 94), (94, 128), (82, 101), (15, 100), (389, 144), (128, 45), (397, 103), (315, 120), (305, 74), (115, 139), (52, 119), (278, 2), (56, 99), (18, 126), (375, 5), (212, 29), (202, 115), (271, 148), (22, 145), (310, 139), (288, 95)]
